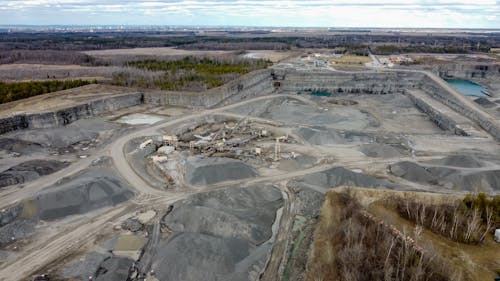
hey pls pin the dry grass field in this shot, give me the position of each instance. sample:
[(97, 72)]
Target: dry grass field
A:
[(61, 99), (351, 60), (470, 262)]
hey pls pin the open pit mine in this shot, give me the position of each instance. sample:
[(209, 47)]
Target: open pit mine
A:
[(230, 183)]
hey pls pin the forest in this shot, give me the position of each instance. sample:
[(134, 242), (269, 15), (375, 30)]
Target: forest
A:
[(189, 73), (20, 90)]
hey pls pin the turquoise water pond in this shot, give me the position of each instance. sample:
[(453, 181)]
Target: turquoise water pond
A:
[(467, 87)]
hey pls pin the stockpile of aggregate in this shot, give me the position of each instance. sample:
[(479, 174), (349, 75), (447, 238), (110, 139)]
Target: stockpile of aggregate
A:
[(219, 235), (339, 176), (30, 170), (484, 102), (461, 160), (78, 131), (377, 150), (321, 135), (455, 172), (211, 170), (92, 190), (20, 146)]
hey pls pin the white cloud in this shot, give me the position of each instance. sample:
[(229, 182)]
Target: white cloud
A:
[(361, 13)]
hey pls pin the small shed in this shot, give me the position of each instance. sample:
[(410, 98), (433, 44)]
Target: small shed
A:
[(497, 235)]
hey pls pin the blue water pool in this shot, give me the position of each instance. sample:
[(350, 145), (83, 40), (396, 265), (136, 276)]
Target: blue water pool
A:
[(467, 87)]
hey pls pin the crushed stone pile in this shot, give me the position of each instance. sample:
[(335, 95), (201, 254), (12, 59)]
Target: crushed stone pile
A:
[(321, 135), (20, 146), (211, 170), (451, 177), (30, 170), (339, 176), (92, 190), (484, 102), (377, 150), (464, 161), (219, 235)]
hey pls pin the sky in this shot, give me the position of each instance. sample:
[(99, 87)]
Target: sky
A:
[(290, 13)]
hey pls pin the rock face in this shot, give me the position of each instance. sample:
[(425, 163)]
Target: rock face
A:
[(66, 116), (254, 84), (30, 170), (219, 235), (211, 170)]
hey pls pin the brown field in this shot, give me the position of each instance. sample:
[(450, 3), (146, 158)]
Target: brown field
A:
[(173, 52), (475, 262)]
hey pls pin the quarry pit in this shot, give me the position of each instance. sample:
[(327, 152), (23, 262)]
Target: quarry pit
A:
[(218, 185)]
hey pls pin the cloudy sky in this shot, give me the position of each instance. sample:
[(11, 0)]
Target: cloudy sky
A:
[(328, 13)]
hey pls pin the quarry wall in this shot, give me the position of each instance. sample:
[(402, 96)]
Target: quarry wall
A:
[(442, 95), (68, 115), (467, 71), (293, 82), (265, 82), (257, 83), (254, 84), (442, 121)]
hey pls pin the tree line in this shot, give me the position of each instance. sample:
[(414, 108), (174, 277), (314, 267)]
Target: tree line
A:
[(20, 90), (467, 221)]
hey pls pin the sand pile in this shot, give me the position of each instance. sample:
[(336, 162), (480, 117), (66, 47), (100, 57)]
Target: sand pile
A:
[(30, 170), (219, 235), (211, 170)]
